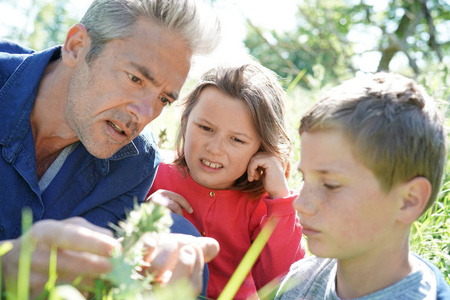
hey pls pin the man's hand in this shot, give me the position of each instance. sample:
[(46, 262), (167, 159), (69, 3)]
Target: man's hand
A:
[(176, 256), (82, 249)]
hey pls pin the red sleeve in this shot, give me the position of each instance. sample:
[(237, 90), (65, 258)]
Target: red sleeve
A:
[(284, 246), (161, 179)]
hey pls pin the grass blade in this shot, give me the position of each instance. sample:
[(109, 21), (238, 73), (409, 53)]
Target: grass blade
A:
[(26, 253), (247, 262), (5, 247), (295, 81)]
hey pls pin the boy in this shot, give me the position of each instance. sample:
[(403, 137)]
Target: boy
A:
[(372, 159)]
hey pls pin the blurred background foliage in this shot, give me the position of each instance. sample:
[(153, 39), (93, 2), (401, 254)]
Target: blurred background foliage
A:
[(332, 40), (335, 39), (46, 23)]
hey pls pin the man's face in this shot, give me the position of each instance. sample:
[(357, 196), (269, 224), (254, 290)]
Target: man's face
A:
[(344, 212), (111, 100)]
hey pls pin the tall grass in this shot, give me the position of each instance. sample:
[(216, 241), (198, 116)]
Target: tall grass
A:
[(19, 289), (430, 234), (248, 261)]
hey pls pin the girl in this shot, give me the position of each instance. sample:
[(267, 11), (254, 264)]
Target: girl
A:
[(229, 176)]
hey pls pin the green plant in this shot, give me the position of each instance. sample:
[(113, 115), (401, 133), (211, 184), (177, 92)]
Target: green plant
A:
[(247, 261), (124, 282), (430, 234), (19, 289)]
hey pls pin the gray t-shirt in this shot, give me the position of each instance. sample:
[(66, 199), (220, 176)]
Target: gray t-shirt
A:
[(54, 168), (315, 278)]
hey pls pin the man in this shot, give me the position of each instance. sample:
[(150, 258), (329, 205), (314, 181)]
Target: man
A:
[(70, 119)]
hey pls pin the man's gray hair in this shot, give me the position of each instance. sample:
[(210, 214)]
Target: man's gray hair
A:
[(193, 20)]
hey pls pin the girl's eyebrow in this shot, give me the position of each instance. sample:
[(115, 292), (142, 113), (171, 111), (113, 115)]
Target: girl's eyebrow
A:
[(201, 119)]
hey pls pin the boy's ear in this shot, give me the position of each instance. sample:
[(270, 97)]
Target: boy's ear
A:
[(415, 196), (77, 42)]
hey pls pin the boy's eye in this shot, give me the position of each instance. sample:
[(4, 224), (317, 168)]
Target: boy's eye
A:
[(134, 78), (331, 186), (205, 128), (164, 100)]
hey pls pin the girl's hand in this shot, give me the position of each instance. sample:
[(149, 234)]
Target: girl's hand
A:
[(173, 201), (270, 169)]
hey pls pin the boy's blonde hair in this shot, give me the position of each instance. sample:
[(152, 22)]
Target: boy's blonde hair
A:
[(395, 127), (259, 89)]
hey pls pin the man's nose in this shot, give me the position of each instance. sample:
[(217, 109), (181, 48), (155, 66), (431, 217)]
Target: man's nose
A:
[(145, 109)]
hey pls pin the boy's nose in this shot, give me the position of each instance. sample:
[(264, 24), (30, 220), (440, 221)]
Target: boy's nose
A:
[(303, 203)]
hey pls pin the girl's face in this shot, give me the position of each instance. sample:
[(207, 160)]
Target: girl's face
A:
[(220, 139)]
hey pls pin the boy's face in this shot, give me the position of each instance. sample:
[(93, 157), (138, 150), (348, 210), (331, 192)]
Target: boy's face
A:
[(344, 212)]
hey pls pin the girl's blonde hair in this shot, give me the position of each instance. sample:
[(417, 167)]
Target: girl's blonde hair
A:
[(259, 89)]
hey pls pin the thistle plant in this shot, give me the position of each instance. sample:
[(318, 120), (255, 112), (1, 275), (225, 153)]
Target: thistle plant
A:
[(125, 281), (149, 217)]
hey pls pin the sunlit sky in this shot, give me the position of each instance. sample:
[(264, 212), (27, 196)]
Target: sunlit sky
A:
[(269, 14)]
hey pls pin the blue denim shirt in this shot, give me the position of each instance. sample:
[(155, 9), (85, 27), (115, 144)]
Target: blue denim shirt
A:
[(99, 190)]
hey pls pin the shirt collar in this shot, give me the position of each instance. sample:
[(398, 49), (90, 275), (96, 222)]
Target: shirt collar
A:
[(17, 97), (102, 165)]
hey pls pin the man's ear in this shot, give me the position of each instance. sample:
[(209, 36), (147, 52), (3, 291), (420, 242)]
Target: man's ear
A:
[(415, 196), (77, 43)]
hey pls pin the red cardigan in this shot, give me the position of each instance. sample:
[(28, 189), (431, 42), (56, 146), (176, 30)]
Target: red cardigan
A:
[(235, 221)]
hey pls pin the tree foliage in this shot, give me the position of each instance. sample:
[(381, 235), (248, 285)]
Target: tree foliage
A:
[(333, 38), (47, 22)]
